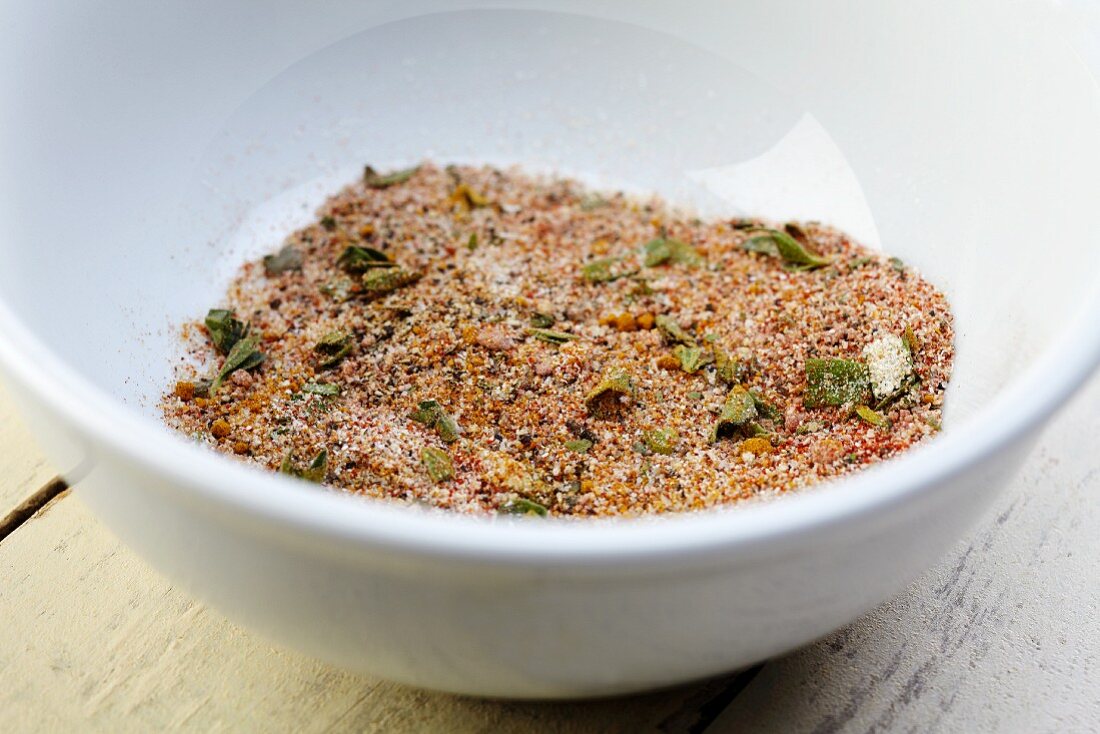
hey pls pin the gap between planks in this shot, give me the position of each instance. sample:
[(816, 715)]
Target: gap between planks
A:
[(150, 613), (26, 509)]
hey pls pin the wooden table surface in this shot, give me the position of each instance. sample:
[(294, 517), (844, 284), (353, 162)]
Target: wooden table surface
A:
[(1003, 636)]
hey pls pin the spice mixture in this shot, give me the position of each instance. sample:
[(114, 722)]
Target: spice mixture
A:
[(485, 341)]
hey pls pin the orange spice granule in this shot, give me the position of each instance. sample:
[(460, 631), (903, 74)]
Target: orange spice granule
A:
[(524, 296)]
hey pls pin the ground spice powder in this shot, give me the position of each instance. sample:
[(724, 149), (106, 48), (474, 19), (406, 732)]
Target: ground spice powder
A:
[(483, 340)]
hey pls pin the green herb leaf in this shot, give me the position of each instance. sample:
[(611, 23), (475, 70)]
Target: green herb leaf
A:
[(897, 264), (593, 201), (379, 282), (602, 270), (329, 223), (333, 347), (691, 358), (447, 428), (376, 180), (794, 229), (225, 331), (438, 464), (542, 321), (467, 197), (774, 242), (726, 367), (580, 445), (243, 356), (752, 429), (737, 411), (661, 440), (664, 250), (695, 395), (287, 259), (314, 472), (471, 244), (606, 399), (357, 259), (431, 414), (909, 339), (521, 506), (317, 468), (871, 416), (673, 332), (742, 223), (325, 389), (427, 412), (810, 427), (552, 337), (907, 384), (764, 408), (836, 382)]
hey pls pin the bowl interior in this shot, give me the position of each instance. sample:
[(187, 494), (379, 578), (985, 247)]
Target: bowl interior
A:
[(150, 155)]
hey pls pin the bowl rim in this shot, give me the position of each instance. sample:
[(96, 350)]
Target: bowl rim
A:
[(240, 492)]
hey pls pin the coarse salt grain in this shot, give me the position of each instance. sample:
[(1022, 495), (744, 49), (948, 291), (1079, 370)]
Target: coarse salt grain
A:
[(889, 363), (459, 336)]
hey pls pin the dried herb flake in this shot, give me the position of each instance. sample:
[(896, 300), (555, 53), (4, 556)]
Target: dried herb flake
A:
[(580, 445), (521, 506), (431, 414), (780, 244), (378, 282), (333, 347), (738, 410), (664, 250), (437, 463), (466, 197), (673, 332), (315, 471), (243, 356), (607, 399), (376, 180), (871, 416), (764, 408), (358, 259), (225, 330), (325, 389), (661, 440), (552, 337), (602, 270), (909, 339), (836, 382), (726, 367), (542, 321), (287, 259), (692, 358)]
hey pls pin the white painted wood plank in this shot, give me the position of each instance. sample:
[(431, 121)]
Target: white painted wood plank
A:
[(1004, 636), (92, 640)]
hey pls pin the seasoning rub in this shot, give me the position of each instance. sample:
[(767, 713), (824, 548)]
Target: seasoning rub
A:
[(489, 342)]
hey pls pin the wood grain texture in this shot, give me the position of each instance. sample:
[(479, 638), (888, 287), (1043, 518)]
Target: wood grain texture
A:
[(23, 469), (92, 640), (1004, 636)]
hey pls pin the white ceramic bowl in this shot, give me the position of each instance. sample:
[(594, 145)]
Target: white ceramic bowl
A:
[(145, 152)]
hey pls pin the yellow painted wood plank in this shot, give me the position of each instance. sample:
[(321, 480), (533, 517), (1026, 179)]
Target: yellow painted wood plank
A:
[(93, 640), (23, 469)]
